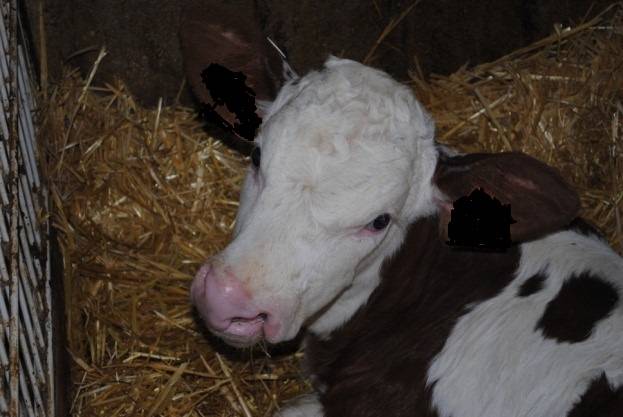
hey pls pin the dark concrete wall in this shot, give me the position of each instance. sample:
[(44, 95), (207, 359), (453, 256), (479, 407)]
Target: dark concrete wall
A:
[(142, 35)]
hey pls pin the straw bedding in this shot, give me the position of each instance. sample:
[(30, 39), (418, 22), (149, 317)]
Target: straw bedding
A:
[(142, 196)]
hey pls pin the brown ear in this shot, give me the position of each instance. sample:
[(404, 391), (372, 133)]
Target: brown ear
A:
[(540, 200), (228, 35)]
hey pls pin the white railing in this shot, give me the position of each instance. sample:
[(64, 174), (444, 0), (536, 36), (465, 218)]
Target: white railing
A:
[(26, 361)]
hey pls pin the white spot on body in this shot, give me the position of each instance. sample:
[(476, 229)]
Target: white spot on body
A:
[(303, 406)]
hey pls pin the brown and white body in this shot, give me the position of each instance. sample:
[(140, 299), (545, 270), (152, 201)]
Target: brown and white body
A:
[(340, 231)]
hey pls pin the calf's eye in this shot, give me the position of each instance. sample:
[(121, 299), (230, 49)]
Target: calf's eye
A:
[(256, 156), (380, 222)]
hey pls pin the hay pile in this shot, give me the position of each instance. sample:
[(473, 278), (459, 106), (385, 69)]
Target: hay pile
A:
[(142, 197), (560, 100)]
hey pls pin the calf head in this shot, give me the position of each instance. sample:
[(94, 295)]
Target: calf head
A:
[(334, 184), (345, 161)]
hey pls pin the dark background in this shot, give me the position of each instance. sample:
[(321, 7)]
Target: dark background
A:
[(142, 35)]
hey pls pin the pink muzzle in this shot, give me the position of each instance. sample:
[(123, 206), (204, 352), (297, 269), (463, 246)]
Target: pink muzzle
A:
[(229, 310)]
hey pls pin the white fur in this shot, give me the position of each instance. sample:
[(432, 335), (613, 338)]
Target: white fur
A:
[(339, 147), (494, 362), (302, 406)]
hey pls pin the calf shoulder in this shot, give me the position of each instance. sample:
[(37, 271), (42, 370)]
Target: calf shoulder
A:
[(450, 333), (379, 359)]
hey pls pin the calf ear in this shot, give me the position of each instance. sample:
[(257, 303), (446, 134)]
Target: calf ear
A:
[(540, 200), (224, 40)]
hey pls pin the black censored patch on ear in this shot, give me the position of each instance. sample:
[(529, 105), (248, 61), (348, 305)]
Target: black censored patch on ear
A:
[(532, 285), (228, 88), (480, 222), (581, 303), (600, 399), (542, 201)]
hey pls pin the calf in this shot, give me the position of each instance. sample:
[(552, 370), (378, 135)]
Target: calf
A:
[(341, 230)]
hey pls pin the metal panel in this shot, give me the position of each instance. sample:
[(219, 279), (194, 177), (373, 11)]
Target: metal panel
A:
[(26, 366)]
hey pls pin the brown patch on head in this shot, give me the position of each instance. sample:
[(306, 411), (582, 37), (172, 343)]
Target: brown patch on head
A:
[(541, 201)]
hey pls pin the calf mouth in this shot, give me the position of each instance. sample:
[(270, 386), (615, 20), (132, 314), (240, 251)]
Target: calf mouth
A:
[(243, 332), (239, 341)]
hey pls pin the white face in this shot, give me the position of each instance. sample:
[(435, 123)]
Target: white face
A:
[(342, 151)]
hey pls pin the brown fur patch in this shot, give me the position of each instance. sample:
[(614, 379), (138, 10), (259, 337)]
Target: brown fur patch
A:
[(583, 300), (376, 364), (599, 400), (532, 285)]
